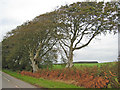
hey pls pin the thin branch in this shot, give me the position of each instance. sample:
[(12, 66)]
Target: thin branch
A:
[(38, 51), (64, 43), (64, 50), (81, 36), (87, 42), (49, 49), (46, 35), (46, 41)]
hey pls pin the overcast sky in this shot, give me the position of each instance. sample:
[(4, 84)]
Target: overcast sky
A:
[(16, 12)]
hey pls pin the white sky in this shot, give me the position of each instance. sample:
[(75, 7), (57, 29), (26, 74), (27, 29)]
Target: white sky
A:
[(16, 12)]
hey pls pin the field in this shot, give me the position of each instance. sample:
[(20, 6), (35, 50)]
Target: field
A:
[(78, 65), (93, 75)]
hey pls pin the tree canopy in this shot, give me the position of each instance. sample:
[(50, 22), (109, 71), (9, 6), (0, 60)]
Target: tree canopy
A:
[(34, 40), (81, 22)]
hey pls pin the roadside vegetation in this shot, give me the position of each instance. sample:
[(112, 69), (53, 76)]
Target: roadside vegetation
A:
[(100, 75), (40, 82), (95, 76)]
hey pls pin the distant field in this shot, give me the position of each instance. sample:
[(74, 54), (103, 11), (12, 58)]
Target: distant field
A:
[(78, 65)]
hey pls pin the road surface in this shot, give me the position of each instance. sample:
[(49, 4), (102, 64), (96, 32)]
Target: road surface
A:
[(11, 82)]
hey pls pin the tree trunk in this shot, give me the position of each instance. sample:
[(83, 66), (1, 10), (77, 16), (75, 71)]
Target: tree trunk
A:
[(70, 59), (34, 65)]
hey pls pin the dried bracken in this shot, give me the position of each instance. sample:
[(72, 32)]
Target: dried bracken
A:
[(92, 77)]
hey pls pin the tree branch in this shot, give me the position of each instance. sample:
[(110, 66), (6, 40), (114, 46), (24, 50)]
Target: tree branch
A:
[(49, 49), (81, 36), (87, 42), (37, 51), (64, 50), (64, 43)]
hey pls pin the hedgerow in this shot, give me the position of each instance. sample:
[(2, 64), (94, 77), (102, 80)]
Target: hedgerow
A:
[(89, 77)]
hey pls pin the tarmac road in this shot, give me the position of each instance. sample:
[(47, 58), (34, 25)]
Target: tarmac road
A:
[(11, 82)]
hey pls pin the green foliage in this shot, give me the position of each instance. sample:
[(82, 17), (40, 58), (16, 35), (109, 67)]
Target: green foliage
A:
[(13, 54), (30, 37)]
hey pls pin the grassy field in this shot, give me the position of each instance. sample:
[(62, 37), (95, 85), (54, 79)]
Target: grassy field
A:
[(78, 65), (40, 81)]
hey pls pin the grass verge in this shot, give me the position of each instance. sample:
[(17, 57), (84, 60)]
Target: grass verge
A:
[(40, 81)]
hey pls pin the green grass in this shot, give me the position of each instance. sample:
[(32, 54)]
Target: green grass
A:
[(41, 82), (90, 64), (78, 65)]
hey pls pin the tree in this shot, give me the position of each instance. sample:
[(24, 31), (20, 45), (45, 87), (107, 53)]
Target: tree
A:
[(40, 40), (35, 41), (13, 55), (81, 22)]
